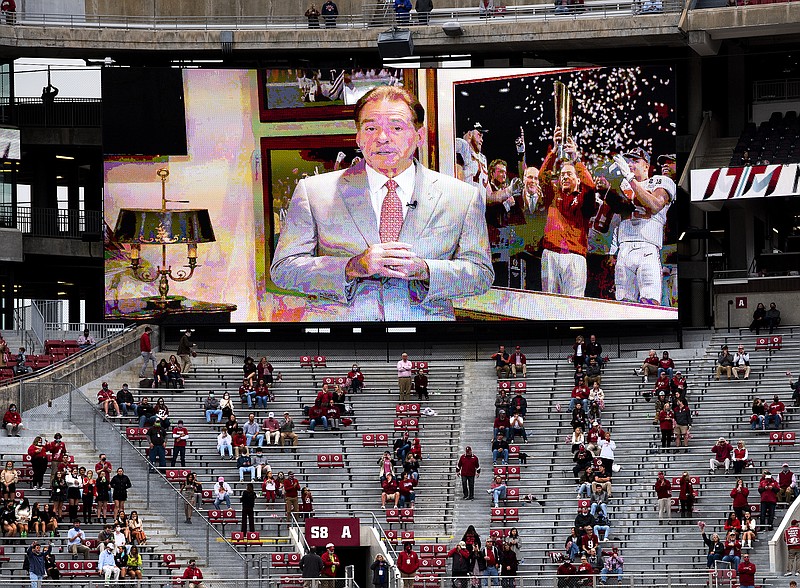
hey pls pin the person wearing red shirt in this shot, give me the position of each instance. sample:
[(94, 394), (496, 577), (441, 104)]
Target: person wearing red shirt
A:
[(788, 483), (108, 399), (146, 349), (739, 494), (38, 453), (239, 442), (665, 424), (57, 450), (663, 488), (775, 412), (469, 468), (792, 537), (666, 365), (686, 495), (733, 550), (330, 566), (324, 396), (746, 572), (722, 451), (291, 490), (519, 362), (579, 395), (502, 426), (768, 488), (389, 490), (585, 568), (12, 421), (194, 575), (356, 379), (408, 564), (649, 366), (103, 465), (406, 489), (180, 435), (568, 196)]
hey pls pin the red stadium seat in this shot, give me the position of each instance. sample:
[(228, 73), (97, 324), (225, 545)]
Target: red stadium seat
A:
[(320, 361), (409, 424), (330, 460), (305, 361), (408, 410), (375, 440), (420, 365), (771, 342), (250, 538)]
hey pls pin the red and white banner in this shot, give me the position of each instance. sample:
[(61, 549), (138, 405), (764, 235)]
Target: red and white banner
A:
[(756, 181)]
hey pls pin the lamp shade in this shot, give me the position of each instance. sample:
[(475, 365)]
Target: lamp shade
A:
[(163, 227)]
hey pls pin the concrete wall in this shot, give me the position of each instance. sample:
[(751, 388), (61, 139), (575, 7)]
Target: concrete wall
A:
[(74, 7), (742, 317)]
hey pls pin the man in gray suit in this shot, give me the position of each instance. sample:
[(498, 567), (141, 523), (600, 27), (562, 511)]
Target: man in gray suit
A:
[(387, 239)]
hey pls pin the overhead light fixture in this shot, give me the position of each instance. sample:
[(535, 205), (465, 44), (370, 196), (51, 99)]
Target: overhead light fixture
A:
[(774, 230), (259, 330), (226, 330), (452, 28), (64, 157), (401, 330), (356, 330), (317, 331)]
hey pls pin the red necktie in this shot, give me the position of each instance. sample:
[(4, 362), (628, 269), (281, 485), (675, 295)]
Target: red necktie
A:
[(391, 214)]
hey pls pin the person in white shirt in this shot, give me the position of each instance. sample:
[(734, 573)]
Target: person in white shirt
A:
[(741, 363), (86, 340), (404, 375), (222, 493), (106, 566)]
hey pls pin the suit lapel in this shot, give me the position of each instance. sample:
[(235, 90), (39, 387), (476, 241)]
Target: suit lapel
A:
[(354, 192), (426, 194)]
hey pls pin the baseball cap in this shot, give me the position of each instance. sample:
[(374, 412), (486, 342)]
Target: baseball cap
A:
[(662, 159), (477, 126), (721, 439), (220, 479), (785, 465), (329, 544), (271, 415), (637, 153)]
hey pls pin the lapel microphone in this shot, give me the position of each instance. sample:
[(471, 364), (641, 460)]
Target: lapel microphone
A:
[(412, 204)]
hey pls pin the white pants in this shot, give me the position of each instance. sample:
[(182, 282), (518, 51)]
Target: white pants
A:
[(563, 273), (111, 573), (637, 275), (714, 464), (664, 508)]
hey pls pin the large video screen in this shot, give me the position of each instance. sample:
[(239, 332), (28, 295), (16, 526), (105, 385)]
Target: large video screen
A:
[(473, 194)]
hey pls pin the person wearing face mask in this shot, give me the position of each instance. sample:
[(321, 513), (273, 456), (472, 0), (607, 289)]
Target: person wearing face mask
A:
[(107, 566), (12, 421), (408, 564), (330, 566), (356, 379)]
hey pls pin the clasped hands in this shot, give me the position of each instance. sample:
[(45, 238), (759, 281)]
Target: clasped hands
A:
[(393, 259)]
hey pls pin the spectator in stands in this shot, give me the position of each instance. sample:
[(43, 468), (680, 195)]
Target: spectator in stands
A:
[(502, 426), (404, 377), (583, 459), (421, 385), (264, 371), (686, 495), (775, 413), (683, 423), (247, 392), (663, 490), (380, 571), (732, 523), (768, 488), (120, 484), (593, 373), (665, 425), (408, 564), (502, 363), (38, 454), (406, 488), (58, 491), (613, 565), (747, 572), (287, 431), (22, 515), (566, 573), (260, 463), (509, 566), (158, 451), (517, 423), (175, 372), (20, 369), (88, 493), (758, 418), (386, 465), (739, 495), (411, 467), (461, 566), (225, 444), (194, 575), (741, 363), (262, 396), (121, 532), (146, 349), (356, 379), (74, 484), (76, 539), (272, 429), (106, 400), (249, 370), (332, 414), (602, 527), (724, 363), (787, 481), (9, 477), (211, 407), (597, 401), (330, 566), (12, 421), (607, 449), (37, 522), (518, 363), (649, 366), (231, 425), (222, 493), (678, 385), (666, 365), (269, 487), (593, 436), (86, 340), (579, 353), (733, 550), (500, 449), (501, 402), (291, 491), (129, 563), (759, 318), (306, 503), (791, 535), (252, 431), (497, 490), (245, 465), (594, 351), (586, 482), (36, 562), (311, 565), (188, 491), (180, 437), (722, 451), (136, 529), (248, 500), (226, 405), (468, 467), (146, 412), (578, 439), (579, 377), (125, 400), (715, 548), (773, 317), (51, 520), (579, 397), (389, 490), (599, 500), (161, 374), (239, 442)]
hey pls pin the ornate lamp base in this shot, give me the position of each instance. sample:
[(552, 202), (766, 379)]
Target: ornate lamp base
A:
[(159, 303)]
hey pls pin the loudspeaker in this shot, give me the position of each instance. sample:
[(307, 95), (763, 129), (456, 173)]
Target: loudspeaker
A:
[(396, 43)]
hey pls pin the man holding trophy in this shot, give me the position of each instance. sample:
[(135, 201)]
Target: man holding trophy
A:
[(568, 196)]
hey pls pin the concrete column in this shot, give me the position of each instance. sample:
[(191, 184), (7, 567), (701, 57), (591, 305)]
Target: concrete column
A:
[(740, 229), (695, 100), (736, 92)]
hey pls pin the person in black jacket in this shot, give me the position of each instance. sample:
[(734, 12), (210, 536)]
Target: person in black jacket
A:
[(311, 565), (461, 564), (248, 508), (508, 567), (716, 549), (424, 8), (119, 486), (329, 13), (380, 572)]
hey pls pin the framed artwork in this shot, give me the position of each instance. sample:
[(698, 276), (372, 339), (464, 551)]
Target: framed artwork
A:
[(299, 94), (287, 160)]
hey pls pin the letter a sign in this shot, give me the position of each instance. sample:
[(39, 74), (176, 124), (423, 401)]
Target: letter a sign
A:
[(741, 302)]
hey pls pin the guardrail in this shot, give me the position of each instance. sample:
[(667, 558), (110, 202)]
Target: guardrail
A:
[(770, 90), (51, 222), (368, 19)]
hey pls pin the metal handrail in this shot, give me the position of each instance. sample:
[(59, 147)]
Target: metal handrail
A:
[(377, 17)]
